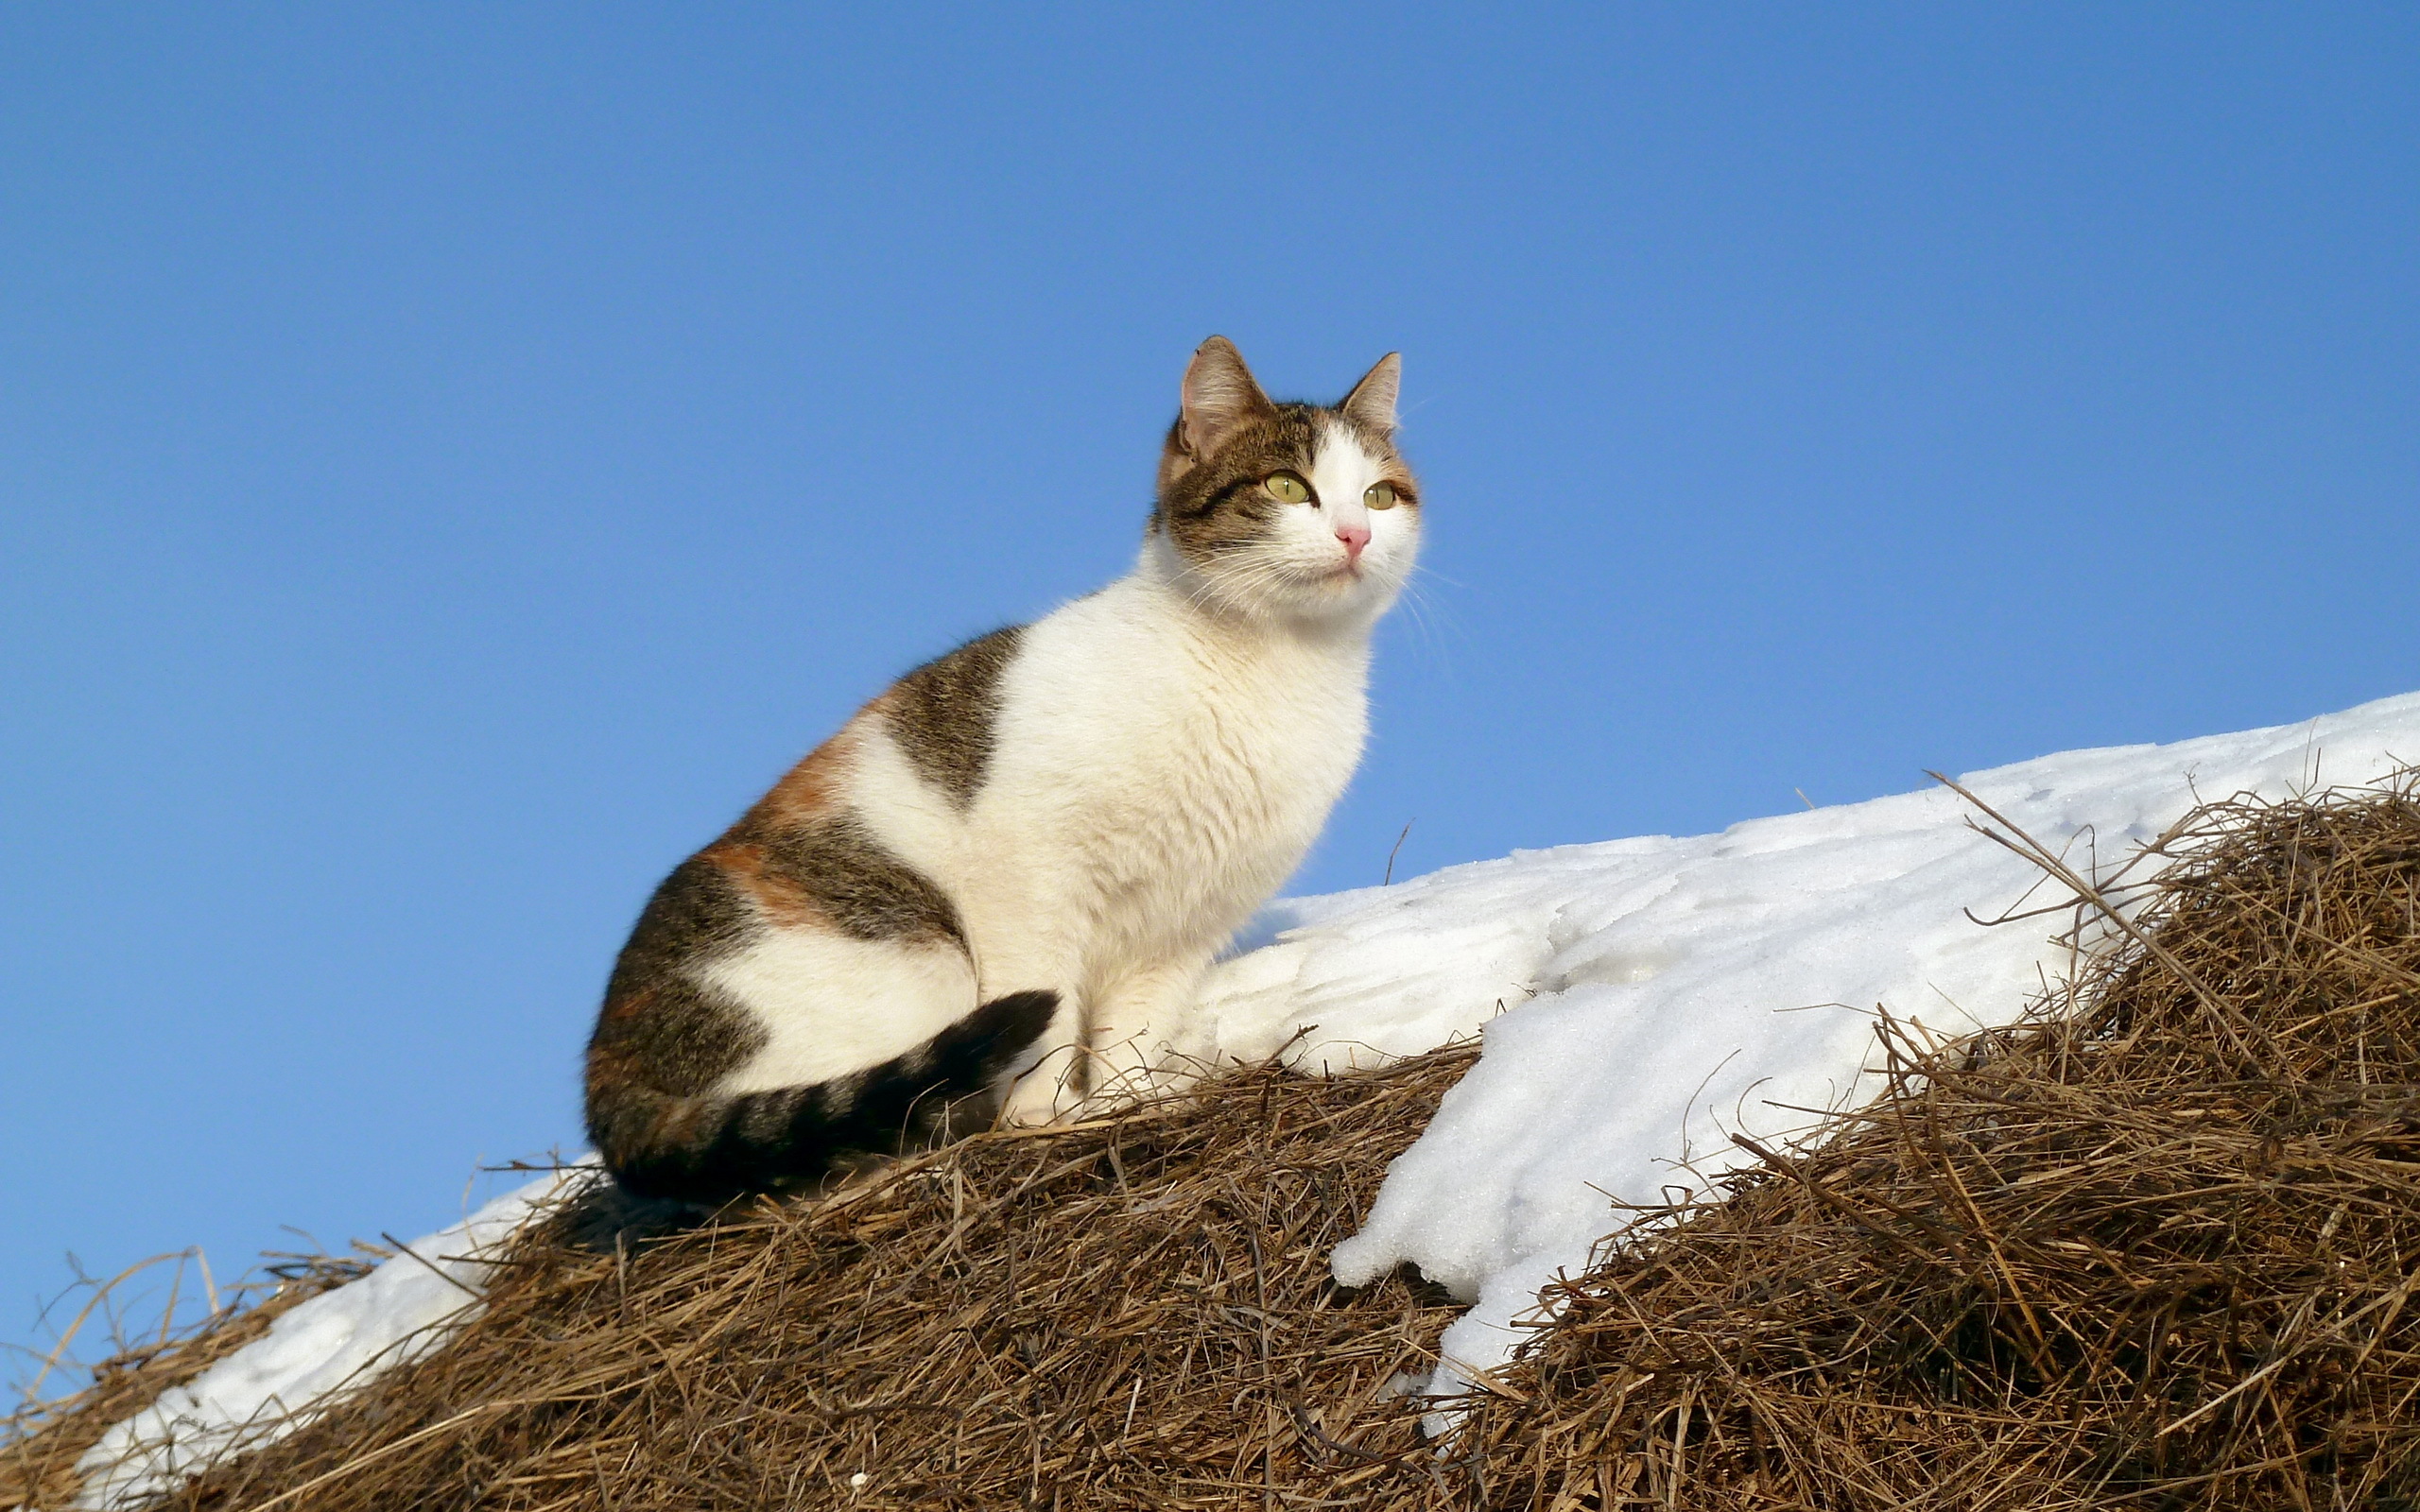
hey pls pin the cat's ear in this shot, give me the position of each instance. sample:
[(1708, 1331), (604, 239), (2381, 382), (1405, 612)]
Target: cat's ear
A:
[(1372, 400), (1219, 395)]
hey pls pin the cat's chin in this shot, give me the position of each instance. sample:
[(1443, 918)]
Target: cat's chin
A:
[(1340, 597)]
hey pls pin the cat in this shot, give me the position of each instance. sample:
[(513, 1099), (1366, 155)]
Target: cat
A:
[(992, 893)]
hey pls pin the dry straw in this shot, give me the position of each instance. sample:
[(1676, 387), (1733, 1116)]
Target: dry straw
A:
[(41, 1443), (2155, 1247)]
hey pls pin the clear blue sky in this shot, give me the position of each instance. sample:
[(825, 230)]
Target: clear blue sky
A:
[(451, 458)]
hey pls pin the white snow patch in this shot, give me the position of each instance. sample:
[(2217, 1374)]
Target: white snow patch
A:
[(339, 1338), (1643, 999)]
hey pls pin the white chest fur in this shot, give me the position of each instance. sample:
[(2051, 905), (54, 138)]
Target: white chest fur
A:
[(1156, 774)]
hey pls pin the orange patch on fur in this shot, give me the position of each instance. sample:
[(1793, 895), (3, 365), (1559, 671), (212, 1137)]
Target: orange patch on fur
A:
[(779, 899), (630, 1005), (812, 789), (612, 1068)]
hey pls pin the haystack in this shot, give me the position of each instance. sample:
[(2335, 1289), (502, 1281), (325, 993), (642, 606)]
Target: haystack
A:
[(2155, 1247), (43, 1440)]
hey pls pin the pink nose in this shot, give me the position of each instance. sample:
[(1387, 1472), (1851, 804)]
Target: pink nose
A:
[(1355, 538)]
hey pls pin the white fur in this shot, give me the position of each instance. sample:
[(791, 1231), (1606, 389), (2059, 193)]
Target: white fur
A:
[(1166, 753), (891, 998)]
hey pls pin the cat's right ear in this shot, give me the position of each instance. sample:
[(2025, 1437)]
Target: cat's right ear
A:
[(1372, 400), (1219, 395)]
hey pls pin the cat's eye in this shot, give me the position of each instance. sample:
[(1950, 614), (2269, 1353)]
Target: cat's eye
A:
[(1381, 496), (1287, 487)]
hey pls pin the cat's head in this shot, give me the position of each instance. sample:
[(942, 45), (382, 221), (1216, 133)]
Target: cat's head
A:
[(1287, 511)]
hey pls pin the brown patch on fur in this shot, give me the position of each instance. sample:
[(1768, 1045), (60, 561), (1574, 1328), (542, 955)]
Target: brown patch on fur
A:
[(804, 860), (945, 714), (1216, 504), (647, 1079), (783, 901), (660, 1027), (677, 1045), (861, 888)]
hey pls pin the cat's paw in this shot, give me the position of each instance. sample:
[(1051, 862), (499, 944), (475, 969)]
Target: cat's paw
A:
[(1033, 1102)]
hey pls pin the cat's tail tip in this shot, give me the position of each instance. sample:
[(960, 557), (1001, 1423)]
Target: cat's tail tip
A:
[(995, 1037)]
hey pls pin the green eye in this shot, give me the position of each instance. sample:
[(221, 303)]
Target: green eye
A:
[(1381, 496), (1286, 486)]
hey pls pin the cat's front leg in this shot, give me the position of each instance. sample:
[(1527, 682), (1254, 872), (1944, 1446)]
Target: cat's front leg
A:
[(1141, 1037), (1052, 1085)]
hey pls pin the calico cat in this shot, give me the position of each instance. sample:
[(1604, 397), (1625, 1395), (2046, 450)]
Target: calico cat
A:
[(992, 892)]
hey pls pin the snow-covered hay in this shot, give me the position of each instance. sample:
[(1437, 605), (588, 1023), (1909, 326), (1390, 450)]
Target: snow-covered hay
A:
[(42, 1443), (2155, 1248)]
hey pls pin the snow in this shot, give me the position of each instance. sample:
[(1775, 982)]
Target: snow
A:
[(1637, 1001), (1640, 1000), (399, 1310)]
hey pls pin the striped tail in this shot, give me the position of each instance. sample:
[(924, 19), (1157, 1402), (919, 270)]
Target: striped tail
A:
[(707, 1149)]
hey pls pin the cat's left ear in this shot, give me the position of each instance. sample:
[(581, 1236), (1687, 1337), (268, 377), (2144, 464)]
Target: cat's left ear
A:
[(1372, 400)]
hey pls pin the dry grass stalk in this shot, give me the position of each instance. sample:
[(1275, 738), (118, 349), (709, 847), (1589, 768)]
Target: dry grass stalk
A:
[(41, 1442)]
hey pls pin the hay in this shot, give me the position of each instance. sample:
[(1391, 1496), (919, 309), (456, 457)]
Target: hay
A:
[(1136, 1314), (2156, 1246), (2156, 1250)]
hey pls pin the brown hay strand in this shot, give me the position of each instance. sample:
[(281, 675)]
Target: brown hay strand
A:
[(2115, 1257)]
